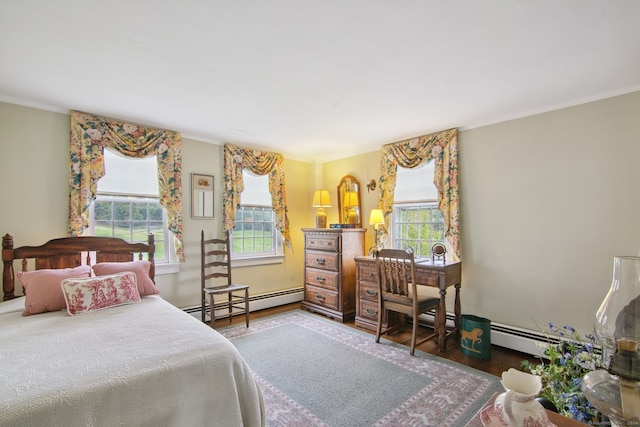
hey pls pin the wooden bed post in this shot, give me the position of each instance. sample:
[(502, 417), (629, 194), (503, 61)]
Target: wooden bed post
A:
[(8, 286), (152, 250)]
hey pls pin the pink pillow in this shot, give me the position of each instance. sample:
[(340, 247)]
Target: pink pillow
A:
[(96, 293), (42, 288), (140, 268)]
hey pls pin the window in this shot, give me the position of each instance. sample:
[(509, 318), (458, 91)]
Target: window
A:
[(420, 225), (255, 235), (127, 205), (416, 220)]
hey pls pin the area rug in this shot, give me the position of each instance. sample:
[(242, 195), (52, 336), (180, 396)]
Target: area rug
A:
[(317, 372)]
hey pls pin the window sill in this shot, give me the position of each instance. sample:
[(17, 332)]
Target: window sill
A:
[(257, 260), (167, 268)]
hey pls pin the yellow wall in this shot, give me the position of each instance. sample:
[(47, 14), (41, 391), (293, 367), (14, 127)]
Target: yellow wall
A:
[(546, 202)]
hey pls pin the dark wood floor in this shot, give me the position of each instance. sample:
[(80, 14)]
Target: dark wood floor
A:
[(501, 358)]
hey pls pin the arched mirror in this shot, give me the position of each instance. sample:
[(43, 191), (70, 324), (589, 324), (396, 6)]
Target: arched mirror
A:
[(349, 210)]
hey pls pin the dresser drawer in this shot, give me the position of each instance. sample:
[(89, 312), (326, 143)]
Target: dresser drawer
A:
[(367, 272), (323, 260), (368, 291), (321, 296), (323, 243), (322, 278), (369, 310)]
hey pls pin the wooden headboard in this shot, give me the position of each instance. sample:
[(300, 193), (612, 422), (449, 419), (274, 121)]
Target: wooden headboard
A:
[(68, 252)]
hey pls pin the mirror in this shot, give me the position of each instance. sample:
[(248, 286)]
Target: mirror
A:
[(349, 201), (202, 196)]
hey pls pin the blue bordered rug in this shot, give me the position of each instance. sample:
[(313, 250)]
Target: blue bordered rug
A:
[(317, 372)]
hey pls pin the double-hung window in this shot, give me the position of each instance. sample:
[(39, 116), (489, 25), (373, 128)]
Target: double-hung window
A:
[(128, 206), (416, 220), (255, 239)]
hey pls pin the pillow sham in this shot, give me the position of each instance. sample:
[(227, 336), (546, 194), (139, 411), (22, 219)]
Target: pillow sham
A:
[(42, 288), (140, 268), (96, 293)]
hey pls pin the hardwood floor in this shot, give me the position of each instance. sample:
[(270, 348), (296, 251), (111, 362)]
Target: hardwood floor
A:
[(501, 358)]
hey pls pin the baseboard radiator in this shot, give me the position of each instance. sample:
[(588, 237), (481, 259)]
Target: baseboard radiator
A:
[(264, 301), (523, 340), (512, 337)]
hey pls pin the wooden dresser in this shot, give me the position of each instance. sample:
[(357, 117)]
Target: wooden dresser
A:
[(330, 270)]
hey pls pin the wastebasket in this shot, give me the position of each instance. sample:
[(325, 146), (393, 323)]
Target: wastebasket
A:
[(475, 336)]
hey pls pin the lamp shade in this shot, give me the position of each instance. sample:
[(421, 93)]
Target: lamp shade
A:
[(376, 217), (321, 199), (350, 199)]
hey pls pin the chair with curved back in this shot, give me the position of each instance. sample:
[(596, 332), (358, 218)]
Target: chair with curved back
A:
[(215, 277), (399, 292)]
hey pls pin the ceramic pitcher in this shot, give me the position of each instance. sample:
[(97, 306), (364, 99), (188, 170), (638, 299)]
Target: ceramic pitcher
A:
[(518, 406)]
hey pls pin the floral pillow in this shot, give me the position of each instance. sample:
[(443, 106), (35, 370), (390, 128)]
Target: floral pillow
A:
[(140, 268), (42, 288), (96, 293)]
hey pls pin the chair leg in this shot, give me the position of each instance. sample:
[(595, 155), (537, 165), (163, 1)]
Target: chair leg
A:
[(246, 306), (211, 311), (230, 298), (414, 333), (379, 327)]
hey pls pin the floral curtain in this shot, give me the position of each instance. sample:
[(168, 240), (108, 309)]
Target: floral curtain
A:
[(260, 163), (90, 135), (442, 147)]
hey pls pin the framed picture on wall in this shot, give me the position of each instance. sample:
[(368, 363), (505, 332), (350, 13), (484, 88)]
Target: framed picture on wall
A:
[(202, 196)]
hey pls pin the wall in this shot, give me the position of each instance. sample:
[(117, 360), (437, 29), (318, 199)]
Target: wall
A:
[(546, 203), (34, 147)]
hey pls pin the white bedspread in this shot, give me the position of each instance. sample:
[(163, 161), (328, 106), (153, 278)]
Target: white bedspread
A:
[(146, 364)]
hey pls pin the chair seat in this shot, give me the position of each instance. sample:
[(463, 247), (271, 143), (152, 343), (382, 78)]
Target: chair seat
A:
[(215, 290)]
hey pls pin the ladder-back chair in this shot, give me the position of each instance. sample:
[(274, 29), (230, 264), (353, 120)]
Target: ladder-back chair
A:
[(215, 277), (399, 292)]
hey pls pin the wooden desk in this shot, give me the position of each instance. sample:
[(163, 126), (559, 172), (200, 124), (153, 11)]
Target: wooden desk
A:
[(438, 275), (555, 418)]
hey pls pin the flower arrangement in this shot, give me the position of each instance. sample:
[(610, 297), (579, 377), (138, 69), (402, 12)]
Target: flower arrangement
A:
[(564, 360)]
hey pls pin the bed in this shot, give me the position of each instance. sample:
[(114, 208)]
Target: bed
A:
[(139, 362)]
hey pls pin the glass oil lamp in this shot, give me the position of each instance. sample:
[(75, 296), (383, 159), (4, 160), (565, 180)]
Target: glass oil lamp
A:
[(614, 389)]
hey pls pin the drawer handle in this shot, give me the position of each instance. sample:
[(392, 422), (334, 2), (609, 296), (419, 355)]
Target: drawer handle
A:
[(320, 297), (320, 261), (371, 275), (320, 279), (372, 293), (372, 312)]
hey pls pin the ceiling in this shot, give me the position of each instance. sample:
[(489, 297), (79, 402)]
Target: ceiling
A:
[(316, 80)]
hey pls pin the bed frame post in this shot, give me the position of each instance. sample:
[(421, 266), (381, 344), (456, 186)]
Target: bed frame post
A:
[(8, 286), (152, 249)]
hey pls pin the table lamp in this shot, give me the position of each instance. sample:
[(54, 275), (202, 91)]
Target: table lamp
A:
[(376, 218), (321, 201)]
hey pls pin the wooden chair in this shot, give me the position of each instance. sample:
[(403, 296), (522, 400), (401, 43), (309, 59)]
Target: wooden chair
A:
[(399, 292), (216, 264)]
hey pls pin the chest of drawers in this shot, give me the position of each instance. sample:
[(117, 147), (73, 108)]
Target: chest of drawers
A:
[(330, 271)]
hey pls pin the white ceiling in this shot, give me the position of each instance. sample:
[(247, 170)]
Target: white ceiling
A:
[(316, 79)]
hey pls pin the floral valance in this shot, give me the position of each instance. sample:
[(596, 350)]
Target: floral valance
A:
[(90, 135), (442, 147), (260, 163)]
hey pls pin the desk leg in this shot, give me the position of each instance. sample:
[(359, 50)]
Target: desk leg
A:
[(441, 321), (457, 309)]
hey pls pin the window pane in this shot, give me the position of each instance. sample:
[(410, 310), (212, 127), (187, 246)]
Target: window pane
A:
[(139, 211), (103, 211), (254, 232), (419, 225)]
